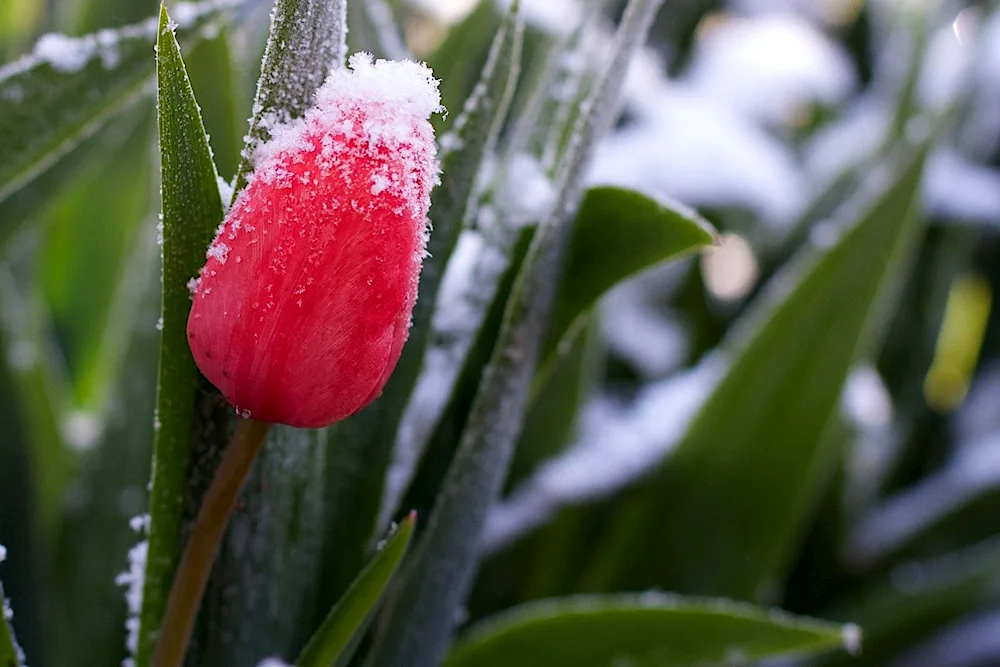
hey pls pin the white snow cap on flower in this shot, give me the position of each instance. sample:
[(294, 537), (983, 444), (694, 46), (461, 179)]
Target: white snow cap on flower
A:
[(404, 91), (408, 85)]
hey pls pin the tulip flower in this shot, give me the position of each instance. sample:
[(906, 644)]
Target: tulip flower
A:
[(302, 308)]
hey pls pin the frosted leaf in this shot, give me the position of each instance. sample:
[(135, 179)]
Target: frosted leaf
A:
[(616, 445)]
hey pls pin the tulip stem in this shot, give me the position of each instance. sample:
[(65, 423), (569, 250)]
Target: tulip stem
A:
[(203, 544)]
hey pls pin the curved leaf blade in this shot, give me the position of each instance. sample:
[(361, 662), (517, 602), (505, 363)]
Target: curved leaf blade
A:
[(655, 630), (334, 643), (742, 478), (192, 209), (618, 233)]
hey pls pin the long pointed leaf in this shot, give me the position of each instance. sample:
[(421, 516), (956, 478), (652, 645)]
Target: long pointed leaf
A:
[(618, 233), (650, 630), (192, 209), (741, 479), (334, 643)]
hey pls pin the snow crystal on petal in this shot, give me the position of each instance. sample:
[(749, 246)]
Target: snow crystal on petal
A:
[(219, 251)]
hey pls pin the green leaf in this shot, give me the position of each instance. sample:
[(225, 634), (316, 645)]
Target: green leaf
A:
[(365, 440), (334, 643), (307, 38), (617, 234), (745, 475), (418, 629), (651, 630), (192, 210), (68, 88)]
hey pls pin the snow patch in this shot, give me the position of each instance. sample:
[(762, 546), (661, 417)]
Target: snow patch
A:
[(745, 64), (71, 54), (133, 580), (616, 446)]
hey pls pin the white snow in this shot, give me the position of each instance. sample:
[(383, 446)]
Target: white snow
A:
[(974, 470), (133, 580), (689, 146), (635, 329), (273, 662), (946, 67), (616, 446), (770, 67), (70, 54), (555, 17), (82, 430), (971, 640), (3, 553), (866, 400), (526, 193), (139, 523), (958, 189)]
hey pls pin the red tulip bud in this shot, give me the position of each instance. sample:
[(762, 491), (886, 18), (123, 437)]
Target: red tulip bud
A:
[(302, 309)]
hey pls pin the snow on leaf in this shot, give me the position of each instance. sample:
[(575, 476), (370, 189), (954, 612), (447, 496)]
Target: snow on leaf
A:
[(616, 446)]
